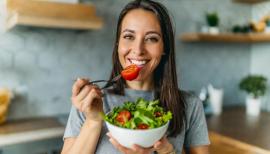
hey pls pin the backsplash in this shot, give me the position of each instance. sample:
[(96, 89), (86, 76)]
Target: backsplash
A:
[(44, 62)]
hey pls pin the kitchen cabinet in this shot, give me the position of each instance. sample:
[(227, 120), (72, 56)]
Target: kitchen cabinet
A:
[(52, 15), (226, 37)]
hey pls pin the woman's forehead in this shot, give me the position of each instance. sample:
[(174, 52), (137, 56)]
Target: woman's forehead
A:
[(140, 20)]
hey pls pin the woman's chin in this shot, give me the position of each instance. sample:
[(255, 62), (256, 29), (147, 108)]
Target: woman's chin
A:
[(138, 79)]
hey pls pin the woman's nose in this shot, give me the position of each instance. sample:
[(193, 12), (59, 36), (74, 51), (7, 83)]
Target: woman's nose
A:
[(138, 47)]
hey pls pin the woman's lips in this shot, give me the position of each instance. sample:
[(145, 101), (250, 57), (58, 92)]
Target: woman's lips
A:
[(139, 63)]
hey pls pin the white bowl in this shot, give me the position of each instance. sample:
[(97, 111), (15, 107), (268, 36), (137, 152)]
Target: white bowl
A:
[(145, 138)]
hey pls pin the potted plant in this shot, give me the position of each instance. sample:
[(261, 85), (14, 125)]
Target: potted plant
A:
[(255, 86), (267, 28), (212, 22)]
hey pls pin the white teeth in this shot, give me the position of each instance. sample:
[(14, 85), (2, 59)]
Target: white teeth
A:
[(138, 62)]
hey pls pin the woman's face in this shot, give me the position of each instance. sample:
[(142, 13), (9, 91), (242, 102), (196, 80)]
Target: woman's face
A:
[(140, 42)]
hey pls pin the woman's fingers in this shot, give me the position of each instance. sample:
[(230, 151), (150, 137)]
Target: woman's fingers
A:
[(80, 90), (158, 145), (135, 148), (87, 98), (118, 146), (76, 88), (139, 149), (163, 145), (83, 93), (92, 95)]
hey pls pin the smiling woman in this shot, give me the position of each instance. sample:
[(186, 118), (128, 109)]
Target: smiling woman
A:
[(144, 38), (141, 42)]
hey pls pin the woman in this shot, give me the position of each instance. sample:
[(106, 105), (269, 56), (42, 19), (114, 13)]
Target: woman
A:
[(144, 37)]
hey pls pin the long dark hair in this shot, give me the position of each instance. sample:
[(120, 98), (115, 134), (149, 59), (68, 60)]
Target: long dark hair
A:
[(165, 78)]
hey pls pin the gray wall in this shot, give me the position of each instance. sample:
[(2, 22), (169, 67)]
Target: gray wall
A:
[(47, 60)]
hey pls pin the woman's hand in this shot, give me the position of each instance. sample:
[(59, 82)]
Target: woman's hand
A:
[(162, 147), (135, 149), (87, 99)]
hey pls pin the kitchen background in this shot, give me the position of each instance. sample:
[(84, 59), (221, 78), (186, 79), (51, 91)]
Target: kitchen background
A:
[(42, 63)]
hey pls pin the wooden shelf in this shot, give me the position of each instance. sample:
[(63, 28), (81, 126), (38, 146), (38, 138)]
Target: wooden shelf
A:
[(52, 15), (250, 1), (226, 37)]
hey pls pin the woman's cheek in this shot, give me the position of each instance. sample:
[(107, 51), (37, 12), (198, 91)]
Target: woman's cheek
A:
[(155, 63), (122, 52)]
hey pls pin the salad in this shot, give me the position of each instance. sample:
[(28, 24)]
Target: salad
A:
[(141, 114)]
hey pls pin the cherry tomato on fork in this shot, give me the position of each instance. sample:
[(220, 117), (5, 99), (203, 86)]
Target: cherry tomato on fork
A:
[(131, 72)]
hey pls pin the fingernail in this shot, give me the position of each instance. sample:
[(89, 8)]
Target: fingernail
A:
[(107, 134), (78, 79), (110, 140)]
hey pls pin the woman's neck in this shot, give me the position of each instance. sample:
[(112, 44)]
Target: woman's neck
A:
[(145, 85)]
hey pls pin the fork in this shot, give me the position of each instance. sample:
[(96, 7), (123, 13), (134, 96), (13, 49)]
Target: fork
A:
[(109, 82)]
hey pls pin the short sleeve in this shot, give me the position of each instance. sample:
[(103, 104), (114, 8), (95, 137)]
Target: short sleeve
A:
[(196, 132), (74, 123)]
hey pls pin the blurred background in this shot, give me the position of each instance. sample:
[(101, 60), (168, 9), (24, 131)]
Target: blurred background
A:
[(222, 55)]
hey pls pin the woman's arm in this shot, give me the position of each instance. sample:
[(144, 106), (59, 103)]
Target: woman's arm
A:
[(87, 140), (87, 99)]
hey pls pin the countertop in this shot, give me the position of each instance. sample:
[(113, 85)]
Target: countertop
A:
[(234, 123), (29, 130)]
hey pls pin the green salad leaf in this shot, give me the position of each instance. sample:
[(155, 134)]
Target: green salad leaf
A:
[(141, 114)]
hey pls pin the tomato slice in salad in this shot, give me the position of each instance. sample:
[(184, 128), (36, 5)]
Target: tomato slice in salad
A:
[(158, 114), (123, 117), (142, 126), (131, 72)]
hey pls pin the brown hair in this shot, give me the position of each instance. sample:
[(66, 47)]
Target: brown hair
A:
[(165, 78)]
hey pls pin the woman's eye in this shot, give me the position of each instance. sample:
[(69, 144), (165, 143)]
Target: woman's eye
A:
[(128, 37), (152, 39)]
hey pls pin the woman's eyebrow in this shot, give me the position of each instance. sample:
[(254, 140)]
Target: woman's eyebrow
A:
[(128, 30), (153, 32)]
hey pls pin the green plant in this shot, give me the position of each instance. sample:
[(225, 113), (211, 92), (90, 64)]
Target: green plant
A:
[(267, 22), (255, 85), (212, 19)]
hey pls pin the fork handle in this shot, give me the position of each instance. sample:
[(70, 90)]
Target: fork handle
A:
[(96, 81)]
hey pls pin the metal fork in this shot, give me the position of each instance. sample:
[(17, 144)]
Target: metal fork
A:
[(109, 82)]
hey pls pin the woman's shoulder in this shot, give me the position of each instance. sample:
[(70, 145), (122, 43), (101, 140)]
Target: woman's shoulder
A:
[(192, 102), (195, 125), (190, 97)]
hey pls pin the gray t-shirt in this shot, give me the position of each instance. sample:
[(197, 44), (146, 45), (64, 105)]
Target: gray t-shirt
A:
[(194, 132)]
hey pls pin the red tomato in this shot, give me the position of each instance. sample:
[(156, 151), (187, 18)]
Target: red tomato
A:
[(123, 117), (142, 126), (131, 72), (158, 114)]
